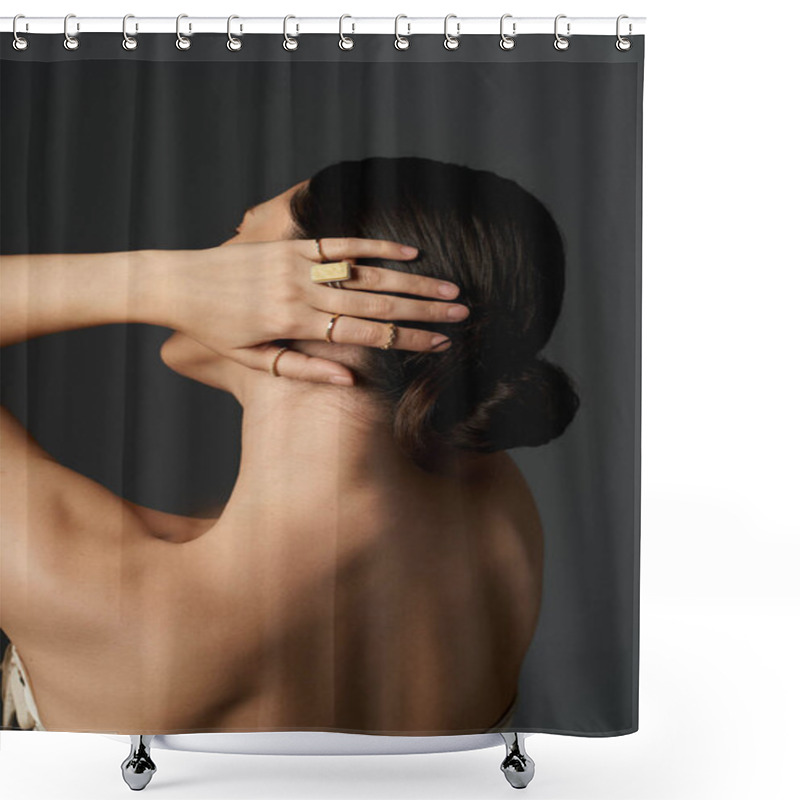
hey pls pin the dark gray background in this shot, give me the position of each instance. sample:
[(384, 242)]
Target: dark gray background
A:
[(102, 149)]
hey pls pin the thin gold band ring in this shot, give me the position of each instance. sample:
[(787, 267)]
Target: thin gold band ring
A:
[(274, 367), (329, 331)]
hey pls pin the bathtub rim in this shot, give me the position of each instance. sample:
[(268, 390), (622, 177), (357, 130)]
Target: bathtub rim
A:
[(317, 743)]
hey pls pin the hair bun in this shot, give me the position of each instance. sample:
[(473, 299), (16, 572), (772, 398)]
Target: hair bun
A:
[(526, 409)]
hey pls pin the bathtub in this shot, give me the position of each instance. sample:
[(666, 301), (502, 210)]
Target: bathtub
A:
[(138, 768)]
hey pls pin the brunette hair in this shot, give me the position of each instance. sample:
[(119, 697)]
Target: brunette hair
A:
[(490, 390)]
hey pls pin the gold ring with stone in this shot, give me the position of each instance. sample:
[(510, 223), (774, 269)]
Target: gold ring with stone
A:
[(392, 336)]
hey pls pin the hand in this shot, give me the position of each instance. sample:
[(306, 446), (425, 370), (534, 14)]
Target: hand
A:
[(240, 296)]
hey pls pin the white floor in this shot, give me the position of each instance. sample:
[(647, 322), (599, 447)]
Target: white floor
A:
[(720, 702)]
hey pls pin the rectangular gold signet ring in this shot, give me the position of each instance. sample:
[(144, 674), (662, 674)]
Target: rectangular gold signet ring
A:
[(330, 271)]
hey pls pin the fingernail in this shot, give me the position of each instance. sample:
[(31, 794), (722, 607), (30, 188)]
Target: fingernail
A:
[(448, 289), (438, 340), (343, 380), (457, 312), (408, 250)]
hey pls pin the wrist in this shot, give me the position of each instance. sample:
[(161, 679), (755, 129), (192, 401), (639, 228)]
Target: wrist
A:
[(157, 288)]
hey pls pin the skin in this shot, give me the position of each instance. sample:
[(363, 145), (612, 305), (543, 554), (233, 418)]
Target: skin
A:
[(340, 588)]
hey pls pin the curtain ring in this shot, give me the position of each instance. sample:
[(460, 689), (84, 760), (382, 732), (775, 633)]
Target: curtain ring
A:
[(288, 42), (182, 42), (400, 42), (233, 44), (20, 42), (622, 43), (128, 42), (507, 42), (451, 42), (70, 42), (560, 42), (345, 42)]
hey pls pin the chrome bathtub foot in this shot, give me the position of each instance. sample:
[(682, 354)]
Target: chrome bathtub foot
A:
[(138, 768), (517, 766)]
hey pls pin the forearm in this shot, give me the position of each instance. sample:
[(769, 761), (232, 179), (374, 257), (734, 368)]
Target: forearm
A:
[(42, 294)]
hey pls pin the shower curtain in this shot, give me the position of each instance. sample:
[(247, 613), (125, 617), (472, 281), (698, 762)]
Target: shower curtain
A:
[(202, 533)]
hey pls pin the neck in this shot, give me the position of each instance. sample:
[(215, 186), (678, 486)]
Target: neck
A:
[(304, 447)]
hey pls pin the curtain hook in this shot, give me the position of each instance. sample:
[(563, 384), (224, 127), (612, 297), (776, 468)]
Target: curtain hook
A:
[(622, 43), (70, 42), (507, 42), (129, 42), (560, 42), (288, 42), (451, 42), (182, 42), (20, 42), (401, 42), (345, 42), (233, 43)]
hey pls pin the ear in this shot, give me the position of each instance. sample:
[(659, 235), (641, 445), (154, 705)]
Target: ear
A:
[(194, 360)]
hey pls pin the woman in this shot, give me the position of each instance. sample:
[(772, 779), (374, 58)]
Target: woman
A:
[(378, 564)]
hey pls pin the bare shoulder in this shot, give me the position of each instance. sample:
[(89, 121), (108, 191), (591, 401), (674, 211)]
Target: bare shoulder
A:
[(502, 494), (72, 552), (508, 534)]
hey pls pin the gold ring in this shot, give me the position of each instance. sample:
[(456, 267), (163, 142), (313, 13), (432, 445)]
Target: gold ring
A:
[(274, 368), (392, 336), (330, 271), (329, 331)]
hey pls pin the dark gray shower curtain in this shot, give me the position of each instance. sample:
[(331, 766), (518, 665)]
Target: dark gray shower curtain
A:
[(105, 150)]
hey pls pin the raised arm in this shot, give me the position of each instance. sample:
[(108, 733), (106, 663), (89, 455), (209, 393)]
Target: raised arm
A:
[(231, 298), (42, 294)]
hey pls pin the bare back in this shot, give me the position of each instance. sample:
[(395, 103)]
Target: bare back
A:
[(384, 614)]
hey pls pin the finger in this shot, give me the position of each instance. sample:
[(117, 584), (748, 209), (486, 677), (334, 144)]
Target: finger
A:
[(337, 249), (380, 279), (293, 364), (384, 306), (353, 330)]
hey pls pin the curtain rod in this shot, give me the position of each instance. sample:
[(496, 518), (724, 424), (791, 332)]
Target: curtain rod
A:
[(298, 25)]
